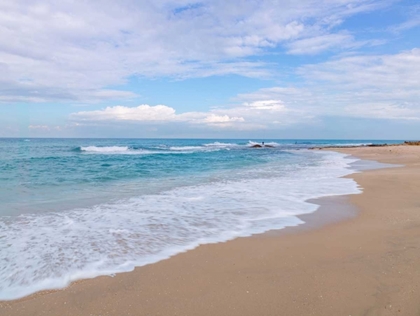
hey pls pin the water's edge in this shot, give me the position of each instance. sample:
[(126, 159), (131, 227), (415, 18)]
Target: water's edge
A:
[(334, 209)]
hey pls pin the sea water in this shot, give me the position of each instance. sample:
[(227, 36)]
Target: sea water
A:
[(79, 208)]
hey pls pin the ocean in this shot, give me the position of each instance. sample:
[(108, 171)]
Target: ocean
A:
[(79, 208)]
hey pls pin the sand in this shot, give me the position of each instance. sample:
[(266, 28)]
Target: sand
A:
[(367, 263)]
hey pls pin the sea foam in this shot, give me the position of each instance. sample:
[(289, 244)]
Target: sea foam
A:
[(109, 149), (49, 250)]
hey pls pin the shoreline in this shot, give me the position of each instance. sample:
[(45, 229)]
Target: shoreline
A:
[(200, 277)]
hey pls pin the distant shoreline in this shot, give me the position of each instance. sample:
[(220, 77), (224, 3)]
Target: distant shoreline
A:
[(405, 143)]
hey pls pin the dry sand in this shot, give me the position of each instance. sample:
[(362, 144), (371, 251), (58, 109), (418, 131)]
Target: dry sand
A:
[(368, 264)]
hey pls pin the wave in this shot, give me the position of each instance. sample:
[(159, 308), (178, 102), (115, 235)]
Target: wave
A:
[(182, 148), (109, 149), (118, 150), (52, 249), (164, 149), (215, 146), (219, 144), (192, 149), (139, 151), (252, 143)]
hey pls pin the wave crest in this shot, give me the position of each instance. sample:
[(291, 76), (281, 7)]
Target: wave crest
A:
[(105, 149)]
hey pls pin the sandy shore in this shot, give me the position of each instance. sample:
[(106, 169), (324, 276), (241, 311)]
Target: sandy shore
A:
[(368, 264)]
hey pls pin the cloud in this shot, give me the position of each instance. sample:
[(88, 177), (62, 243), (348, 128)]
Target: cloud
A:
[(409, 24), (412, 19), (79, 51), (375, 87), (222, 119), (383, 110), (383, 87), (39, 127), (274, 105), (44, 128), (251, 115), (142, 112), (156, 114), (316, 44), (390, 78), (34, 94)]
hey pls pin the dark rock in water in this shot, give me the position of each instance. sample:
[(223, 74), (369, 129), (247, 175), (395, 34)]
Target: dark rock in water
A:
[(377, 145), (412, 143), (260, 146)]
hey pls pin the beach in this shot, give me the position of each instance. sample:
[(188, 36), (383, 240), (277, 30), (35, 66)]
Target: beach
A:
[(364, 263)]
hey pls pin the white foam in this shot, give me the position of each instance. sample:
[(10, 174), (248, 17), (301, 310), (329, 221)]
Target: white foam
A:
[(251, 143), (272, 144), (122, 150), (220, 144), (109, 149), (186, 147), (50, 250), (190, 149), (163, 149)]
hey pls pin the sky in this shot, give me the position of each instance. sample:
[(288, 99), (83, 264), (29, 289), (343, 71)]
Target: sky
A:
[(271, 69)]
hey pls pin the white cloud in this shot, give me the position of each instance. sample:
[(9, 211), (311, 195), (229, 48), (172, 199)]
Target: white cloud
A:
[(34, 94), (274, 105), (390, 80), (381, 71), (157, 114), (412, 20), (66, 50), (44, 128), (142, 112), (222, 121), (217, 119), (376, 87), (246, 116), (39, 127), (409, 24), (383, 110), (316, 44)]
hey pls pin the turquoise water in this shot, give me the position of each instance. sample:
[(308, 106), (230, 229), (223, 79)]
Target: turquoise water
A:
[(78, 208)]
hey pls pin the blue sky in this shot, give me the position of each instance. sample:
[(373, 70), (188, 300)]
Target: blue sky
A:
[(216, 69)]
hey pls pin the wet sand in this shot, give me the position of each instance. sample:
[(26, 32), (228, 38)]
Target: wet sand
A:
[(364, 261)]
